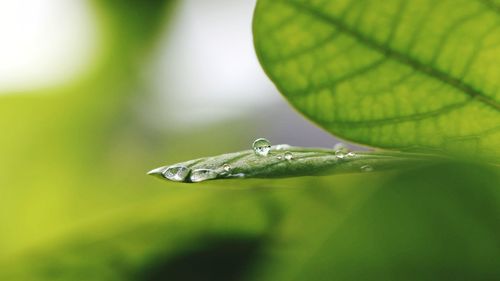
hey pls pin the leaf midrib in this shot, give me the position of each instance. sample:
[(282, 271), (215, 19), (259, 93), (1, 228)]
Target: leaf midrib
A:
[(399, 56), (491, 5)]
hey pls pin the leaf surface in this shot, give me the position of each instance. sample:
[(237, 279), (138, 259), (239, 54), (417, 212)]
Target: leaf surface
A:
[(392, 74), (293, 162)]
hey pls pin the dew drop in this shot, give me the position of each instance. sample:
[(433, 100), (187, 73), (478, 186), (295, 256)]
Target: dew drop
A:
[(261, 147), (279, 157), (340, 150), (341, 147), (340, 154), (351, 154), (202, 175), (226, 167), (176, 173), (366, 168), (288, 156)]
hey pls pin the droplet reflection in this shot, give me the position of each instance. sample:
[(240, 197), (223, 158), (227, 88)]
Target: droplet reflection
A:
[(176, 173), (199, 175), (261, 147)]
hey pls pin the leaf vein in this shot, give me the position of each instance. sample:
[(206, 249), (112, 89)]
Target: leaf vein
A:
[(396, 55), (401, 119)]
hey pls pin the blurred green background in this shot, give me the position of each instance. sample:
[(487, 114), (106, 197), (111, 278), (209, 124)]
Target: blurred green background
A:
[(150, 89)]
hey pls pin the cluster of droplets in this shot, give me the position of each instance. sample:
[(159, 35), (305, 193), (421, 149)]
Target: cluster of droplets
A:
[(181, 173), (262, 147), (341, 151)]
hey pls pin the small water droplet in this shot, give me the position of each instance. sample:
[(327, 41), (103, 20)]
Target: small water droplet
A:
[(226, 167), (288, 155), (176, 173), (261, 147), (279, 157), (340, 150), (339, 154), (366, 168), (202, 175), (340, 147), (351, 154), (282, 146)]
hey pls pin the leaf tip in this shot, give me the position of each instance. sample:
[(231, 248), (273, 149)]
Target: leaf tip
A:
[(156, 171)]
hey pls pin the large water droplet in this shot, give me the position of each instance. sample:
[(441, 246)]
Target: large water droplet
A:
[(202, 175), (288, 156), (366, 168), (176, 173), (261, 147)]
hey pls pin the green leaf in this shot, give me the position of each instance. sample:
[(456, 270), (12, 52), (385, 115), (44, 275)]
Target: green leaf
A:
[(280, 163), (391, 74)]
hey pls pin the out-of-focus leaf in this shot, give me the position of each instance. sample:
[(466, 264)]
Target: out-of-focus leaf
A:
[(62, 148), (433, 223), (392, 74), (206, 232)]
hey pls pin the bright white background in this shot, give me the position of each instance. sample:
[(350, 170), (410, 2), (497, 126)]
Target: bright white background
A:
[(44, 42), (204, 70)]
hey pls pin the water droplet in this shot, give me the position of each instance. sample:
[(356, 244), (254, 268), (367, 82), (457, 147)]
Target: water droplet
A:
[(279, 157), (351, 154), (202, 175), (340, 147), (176, 173), (226, 167), (366, 168), (288, 155), (340, 150), (261, 147), (340, 154), (282, 146)]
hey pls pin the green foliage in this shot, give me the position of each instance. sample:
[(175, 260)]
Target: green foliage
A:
[(75, 203), (393, 74), (434, 223), (58, 144)]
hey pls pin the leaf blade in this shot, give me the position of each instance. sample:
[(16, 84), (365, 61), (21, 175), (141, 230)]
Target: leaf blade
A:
[(383, 81), (301, 162)]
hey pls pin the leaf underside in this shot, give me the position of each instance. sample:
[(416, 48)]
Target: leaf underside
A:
[(392, 74)]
